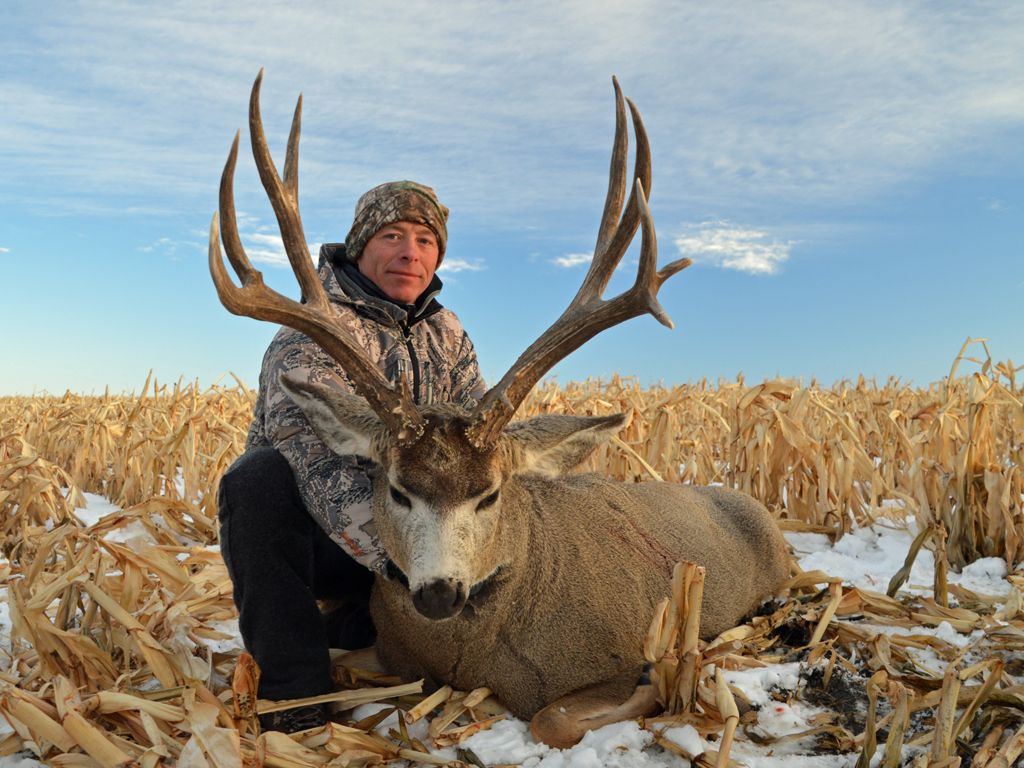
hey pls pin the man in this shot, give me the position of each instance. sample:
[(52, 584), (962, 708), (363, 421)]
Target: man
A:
[(295, 518)]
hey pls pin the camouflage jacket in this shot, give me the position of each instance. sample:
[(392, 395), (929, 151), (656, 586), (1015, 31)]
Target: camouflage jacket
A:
[(431, 349)]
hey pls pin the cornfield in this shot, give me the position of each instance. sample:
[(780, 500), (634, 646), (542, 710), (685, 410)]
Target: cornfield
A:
[(947, 453), (110, 640)]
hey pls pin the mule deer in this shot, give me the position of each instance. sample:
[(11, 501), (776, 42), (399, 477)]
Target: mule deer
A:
[(506, 572)]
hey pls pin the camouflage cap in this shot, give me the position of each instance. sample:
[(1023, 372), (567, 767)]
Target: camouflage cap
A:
[(396, 201)]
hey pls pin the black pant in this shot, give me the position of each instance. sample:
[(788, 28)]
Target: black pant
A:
[(281, 562)]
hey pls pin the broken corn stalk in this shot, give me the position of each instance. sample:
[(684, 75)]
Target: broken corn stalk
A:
[(729, 713)]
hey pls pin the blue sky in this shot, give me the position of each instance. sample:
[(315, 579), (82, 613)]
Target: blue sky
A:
[(847, 175)]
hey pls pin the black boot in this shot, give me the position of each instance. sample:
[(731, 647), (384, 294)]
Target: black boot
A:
[(292, 720)]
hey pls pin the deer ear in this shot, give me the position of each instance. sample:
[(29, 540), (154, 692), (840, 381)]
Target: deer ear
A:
[(554, 444), (346, 424)]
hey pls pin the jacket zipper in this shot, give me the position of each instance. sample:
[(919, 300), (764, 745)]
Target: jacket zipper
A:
[(407, 333)]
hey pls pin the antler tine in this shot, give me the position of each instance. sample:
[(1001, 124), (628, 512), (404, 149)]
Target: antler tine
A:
[(614, 236), (649, 279), (616, 178), (316, 318), (232, 243), (589, 314), (627, 227), (284, 197), (291, 156)]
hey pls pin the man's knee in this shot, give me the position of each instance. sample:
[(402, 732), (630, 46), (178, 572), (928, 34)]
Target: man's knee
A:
[(257, 477), (258, 504), (258, 467)]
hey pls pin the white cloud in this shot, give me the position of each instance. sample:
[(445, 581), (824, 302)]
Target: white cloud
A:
[(5, 250), (454, 266), (796, 101), (259, 237), (728, 245), (269, 249), (571, 260), (164, 245), (993, 204)]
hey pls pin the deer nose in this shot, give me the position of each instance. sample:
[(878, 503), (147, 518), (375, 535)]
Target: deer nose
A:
[(440, 599)]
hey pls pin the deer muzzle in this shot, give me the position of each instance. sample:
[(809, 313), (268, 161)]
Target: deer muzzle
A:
[(440, 599)]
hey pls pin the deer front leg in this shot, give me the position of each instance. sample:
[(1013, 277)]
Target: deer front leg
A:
[(365, 659), (632, 694)]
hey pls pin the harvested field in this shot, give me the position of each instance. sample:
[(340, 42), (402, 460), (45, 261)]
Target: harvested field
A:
[(115, 625)]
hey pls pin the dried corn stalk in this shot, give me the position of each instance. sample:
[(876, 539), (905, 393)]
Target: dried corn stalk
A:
[(96, 623)]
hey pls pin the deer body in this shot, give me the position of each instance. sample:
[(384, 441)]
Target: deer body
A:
[(586, 562), (520, 578)]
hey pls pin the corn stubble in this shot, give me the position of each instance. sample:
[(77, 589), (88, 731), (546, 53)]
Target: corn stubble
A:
[(111, 662)]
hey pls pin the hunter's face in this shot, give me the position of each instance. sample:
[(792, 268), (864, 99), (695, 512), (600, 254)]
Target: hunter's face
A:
[(400, 258)]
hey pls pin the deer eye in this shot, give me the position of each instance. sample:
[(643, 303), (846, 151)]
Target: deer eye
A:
[(488, 502), (400, 498)]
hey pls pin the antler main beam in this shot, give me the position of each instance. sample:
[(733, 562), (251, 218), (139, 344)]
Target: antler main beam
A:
[(315, 318), (589, 314)]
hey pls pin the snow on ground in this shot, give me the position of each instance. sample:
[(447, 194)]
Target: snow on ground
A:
[(866, 558), (97, 507), (5, 625), (869, 557)]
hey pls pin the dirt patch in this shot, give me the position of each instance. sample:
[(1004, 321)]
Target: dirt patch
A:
[(845, 694)]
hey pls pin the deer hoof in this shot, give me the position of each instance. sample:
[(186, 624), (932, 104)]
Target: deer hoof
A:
[(563, 723)]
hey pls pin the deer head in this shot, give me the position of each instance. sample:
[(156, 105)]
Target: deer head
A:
[(439, 500)]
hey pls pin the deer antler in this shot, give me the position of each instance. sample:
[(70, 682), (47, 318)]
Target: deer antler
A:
[(315, 318), (589, 314)]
